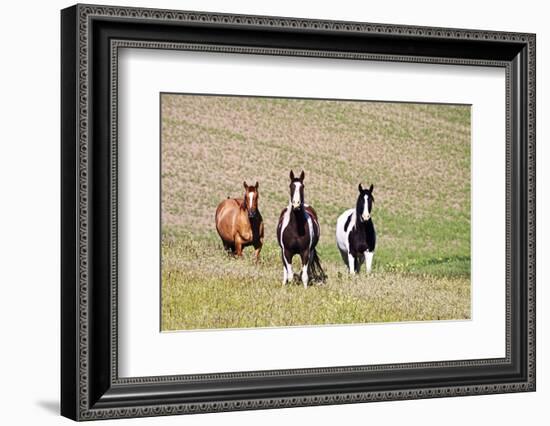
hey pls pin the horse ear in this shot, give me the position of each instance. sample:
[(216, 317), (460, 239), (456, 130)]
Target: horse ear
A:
[(371, 187), (302, 176), (360, 188), (257, 185), (245, 185), (291, 175)]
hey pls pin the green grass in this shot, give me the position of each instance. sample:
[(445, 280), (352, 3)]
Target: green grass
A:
[(205, 288), (417, 156)]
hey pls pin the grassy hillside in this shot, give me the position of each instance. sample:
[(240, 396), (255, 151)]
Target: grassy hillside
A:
[(417, 157)]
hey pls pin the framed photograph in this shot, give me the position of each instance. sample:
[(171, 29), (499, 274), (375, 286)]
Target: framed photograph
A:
[(263, 212)]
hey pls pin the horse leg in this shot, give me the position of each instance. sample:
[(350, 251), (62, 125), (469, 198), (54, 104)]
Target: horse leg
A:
[(258, 249), (305, 266), (238, 246), (257, 254), (227, 247), (368, 260), (344, 256), (288, 275), (351, 263)]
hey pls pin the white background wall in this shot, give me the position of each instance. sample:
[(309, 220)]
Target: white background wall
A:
[(29, 211)]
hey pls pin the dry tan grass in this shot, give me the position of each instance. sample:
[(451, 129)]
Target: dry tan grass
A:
[(211, 144)]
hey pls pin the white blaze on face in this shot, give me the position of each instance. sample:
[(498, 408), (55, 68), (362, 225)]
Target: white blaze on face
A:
[(251, 198), (296, 196), (366, 214)]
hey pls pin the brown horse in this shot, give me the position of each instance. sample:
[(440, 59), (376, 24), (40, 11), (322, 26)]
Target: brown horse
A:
[(239, 222)]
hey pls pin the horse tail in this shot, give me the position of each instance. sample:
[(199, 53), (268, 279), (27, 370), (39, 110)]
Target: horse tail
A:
[(315, 269)]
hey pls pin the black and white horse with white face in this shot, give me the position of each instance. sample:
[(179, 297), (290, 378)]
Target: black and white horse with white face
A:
[(355, 234), (298, 232)]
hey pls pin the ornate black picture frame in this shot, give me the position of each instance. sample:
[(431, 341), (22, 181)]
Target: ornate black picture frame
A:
[(91, 36)]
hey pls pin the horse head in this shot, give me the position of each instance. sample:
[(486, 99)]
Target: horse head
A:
[(363, 206), (250, 202), (297, 190)]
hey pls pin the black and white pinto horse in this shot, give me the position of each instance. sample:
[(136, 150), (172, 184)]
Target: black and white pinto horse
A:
[(355, 234), (298, 233)]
